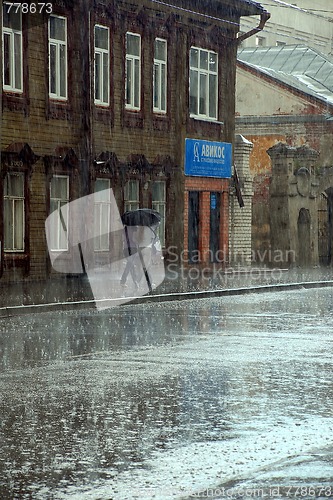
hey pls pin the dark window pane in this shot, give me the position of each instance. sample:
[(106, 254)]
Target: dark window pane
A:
[(101, 37), (97, 76), (58, 28), (133, 44), (18, 61), (63, 81), (53, 53), (7, 65)]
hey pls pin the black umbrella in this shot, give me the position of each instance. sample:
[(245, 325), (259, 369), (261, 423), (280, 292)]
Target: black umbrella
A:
[(141, 217)]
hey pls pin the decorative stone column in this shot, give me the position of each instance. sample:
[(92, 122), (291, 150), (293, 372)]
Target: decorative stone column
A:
[(240, 221), (293, 205)]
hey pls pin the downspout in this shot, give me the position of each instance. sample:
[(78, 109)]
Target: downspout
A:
[(263, 20), (264, 16)]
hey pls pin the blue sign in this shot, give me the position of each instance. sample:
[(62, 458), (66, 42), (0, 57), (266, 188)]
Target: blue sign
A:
[(208, 159)]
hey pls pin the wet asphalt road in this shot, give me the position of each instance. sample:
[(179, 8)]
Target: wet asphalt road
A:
[(220, 398)]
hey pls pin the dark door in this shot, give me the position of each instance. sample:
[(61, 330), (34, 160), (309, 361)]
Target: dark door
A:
[(193, 226), (214, 232), (304, 240), (330, 225)]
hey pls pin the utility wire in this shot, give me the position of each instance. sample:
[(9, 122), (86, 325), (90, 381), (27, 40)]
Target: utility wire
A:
[(213, 18), (206, 16), (287, 5)]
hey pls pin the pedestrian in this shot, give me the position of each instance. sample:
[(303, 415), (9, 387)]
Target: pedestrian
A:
[(131, 248), (147, 247)]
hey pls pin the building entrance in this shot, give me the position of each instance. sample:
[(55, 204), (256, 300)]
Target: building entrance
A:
[(193, 225), (214, 230)]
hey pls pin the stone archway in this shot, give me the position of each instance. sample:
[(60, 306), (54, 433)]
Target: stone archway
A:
[(301, 205), (304, 237), (293, 204)]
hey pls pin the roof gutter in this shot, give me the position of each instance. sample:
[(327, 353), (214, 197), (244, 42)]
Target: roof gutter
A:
[(264, 16)]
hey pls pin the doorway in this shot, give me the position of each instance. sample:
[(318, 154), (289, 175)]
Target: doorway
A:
[(304, 240), (214, 231), (193, 225)]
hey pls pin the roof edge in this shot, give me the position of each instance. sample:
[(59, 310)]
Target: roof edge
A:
[(260, 73)]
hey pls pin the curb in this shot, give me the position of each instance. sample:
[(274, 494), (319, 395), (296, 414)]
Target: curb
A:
[(10, 311)]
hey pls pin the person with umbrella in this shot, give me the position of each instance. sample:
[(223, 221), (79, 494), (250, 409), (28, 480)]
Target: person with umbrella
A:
[(136, 237)]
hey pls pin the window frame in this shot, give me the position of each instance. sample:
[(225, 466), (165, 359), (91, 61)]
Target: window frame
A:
[(12, 33), (159, 63), (15, 198), (207, 73), (102, 203), (260, 41), (134, 203), (132, 58), (156, 205), (64, 202), (58, 43), (101, 51)]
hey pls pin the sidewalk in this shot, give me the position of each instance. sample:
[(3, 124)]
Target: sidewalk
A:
[(75, 292)]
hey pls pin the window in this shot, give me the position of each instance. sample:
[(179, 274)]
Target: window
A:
[(58, 57), (160, 76), (131, 195), (133, 71), (59, 196), (12, 48), (102, 65), (14, 217), (102, 213), (260, 41), (203, 83), (159, 203)]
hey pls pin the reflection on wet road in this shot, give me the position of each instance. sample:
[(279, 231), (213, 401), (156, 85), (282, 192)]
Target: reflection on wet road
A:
[(216, 396)]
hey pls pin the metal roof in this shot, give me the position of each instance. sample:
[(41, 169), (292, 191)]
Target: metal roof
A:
[(298, 66)]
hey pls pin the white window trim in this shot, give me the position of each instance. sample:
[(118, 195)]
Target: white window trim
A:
[(160, 63), (59, 201), (106, 203), (130, 57), (12, 32), (260, 41), (156, 205), (207, 72), (131, 204), (13, 200), (102, 52), (57, 43)]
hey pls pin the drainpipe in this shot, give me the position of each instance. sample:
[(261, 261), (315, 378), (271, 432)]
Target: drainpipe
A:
[(263, 20)]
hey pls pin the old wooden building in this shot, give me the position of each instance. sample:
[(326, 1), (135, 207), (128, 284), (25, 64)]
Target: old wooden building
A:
[(103, 94)]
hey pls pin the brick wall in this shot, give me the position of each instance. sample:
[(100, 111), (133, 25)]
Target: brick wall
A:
[(205, 186), (240, 240)]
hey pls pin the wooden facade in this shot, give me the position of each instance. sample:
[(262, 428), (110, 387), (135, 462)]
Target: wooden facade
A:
[(75, 137)]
